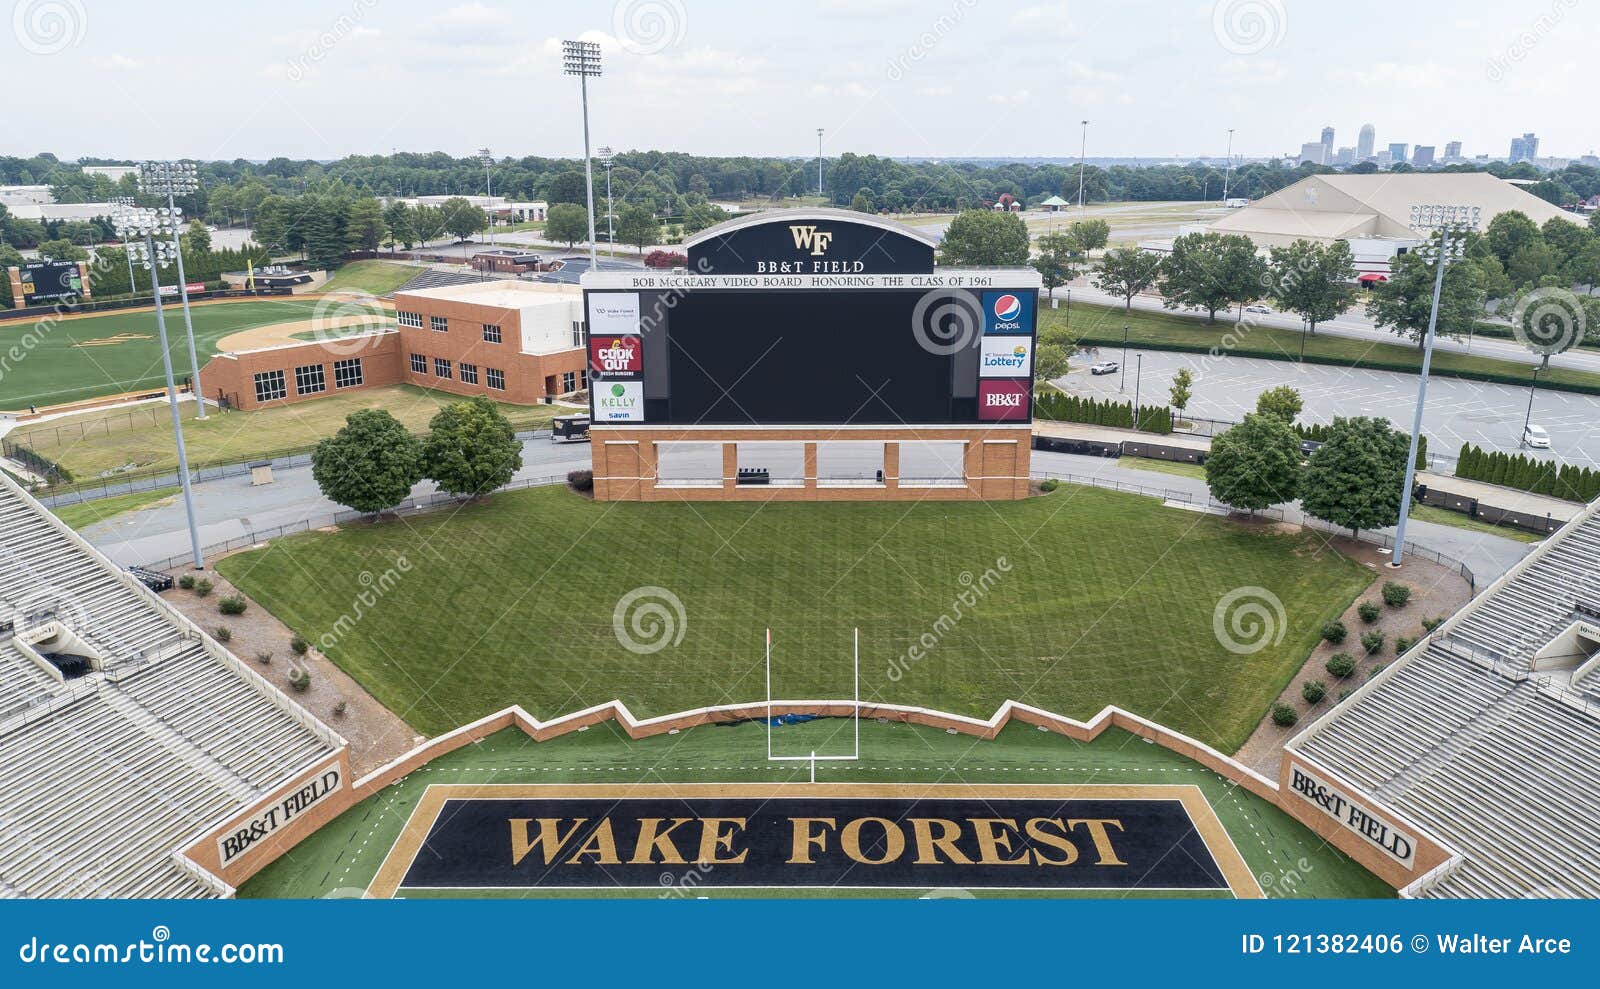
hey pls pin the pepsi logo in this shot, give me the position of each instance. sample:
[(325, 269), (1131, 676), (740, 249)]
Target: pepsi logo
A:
[(1007, 307)]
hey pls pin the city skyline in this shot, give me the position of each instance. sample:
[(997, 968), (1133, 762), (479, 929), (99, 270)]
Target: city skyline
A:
[(892, 77)]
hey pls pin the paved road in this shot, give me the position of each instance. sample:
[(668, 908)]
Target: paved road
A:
[(1353, 324), (231, 507), (1457, 412)]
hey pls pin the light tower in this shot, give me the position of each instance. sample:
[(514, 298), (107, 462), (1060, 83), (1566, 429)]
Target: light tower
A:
[(819, 164), (170, 179), (582, 59), (607, 157), (487, 158)]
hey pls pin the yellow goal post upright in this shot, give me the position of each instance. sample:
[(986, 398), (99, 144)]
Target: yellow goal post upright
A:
[(855, 713)]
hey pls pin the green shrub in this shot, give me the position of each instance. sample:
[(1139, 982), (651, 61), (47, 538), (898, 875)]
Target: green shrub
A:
[(1402, 643), (1340, 664), (1313, 691), (1372, 641), (1049, 484), (1335, 631), (202, 587), (339, 709), (1345, 694), (300, 679), (264, 658), (298, 645), (1429, 624), (581, 480), (1395, 594), (1375, 671), (222, 633), (233, 604), (1369, 611), (1283, 715), (186, 582)]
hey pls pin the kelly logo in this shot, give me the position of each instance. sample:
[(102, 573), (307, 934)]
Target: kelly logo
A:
[(808, 237)]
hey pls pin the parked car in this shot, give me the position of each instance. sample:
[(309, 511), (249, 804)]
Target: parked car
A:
[(1105, 367), (1263, 310), (1534, 435)]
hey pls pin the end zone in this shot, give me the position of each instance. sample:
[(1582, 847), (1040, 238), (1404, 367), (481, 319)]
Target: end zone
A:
[(832, 835)]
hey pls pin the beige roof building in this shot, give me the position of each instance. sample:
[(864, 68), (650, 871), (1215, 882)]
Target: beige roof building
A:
[(1356, 207)]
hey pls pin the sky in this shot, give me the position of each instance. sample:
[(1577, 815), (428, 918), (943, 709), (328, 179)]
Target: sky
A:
[(923, 78)]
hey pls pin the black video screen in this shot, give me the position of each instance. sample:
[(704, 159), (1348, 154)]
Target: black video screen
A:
[(847, 357)]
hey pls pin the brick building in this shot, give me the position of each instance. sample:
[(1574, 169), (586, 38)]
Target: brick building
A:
[(516, 342)]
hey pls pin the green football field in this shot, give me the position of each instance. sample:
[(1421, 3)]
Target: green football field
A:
[(1070, 602), (46, 362), (342, 857)]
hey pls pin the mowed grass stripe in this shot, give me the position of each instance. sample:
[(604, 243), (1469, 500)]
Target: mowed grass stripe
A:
[(1109, 600)]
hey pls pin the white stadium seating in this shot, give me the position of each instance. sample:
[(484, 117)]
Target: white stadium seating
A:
[(1467, 738), (105, 776)]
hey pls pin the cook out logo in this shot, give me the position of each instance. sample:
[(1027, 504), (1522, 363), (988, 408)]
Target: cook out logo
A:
[(616, 354)]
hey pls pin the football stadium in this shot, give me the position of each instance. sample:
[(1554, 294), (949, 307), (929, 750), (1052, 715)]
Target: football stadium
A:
[(807, 723)]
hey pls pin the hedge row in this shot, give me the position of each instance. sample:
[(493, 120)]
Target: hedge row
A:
[(1318, 432), (1092, 411), (1526, 473)]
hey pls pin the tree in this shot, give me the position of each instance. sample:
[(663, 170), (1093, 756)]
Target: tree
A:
[(1584, 268), (1255, 464), (1054, 262), (1089, 235), (461, 218), (197, 239), (271, 226), (861, 202), (1127, 271), (1403, 303), (1312, 280), (1281, 402), (702, 215), (1050, 360), (1212, 271), (638, 226), (397, 220), (428, 222), (62, 250), (1354, 478), (322, 230), (370, 464), (1550, 321), (566, 223), (364, 227), (1182, 389), (566, 187), (985, 238), (1532, 262), (1509, 232), (471, 448)]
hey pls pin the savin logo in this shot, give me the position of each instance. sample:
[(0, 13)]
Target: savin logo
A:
[(808, 237)]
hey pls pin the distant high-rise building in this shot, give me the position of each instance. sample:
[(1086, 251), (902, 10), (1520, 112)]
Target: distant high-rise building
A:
[(1365, 142), (1423, 156), (1397, 152), (1452, 150), (1524, 148), (1344, 157), (1327, 145), (1314, 152)]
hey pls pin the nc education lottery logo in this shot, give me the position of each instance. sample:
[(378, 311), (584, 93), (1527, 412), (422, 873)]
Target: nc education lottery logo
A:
[(615, 355), (1008, 312), (1006, 357)]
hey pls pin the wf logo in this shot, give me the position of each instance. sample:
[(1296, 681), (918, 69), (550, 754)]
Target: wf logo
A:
[(811, 237)]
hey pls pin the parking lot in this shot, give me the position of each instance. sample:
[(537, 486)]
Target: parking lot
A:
[(1458, 411)]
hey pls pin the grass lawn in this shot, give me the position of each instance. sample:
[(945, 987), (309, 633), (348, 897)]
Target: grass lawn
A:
[(1102, 326), (1173, 467), (72, 359), (345, 854), (87, 513), (373, 277), (95, 442), (1109, 600), (1443, 516)]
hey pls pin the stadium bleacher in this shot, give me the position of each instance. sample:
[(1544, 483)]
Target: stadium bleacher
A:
[(1490, 750), (103, 777)]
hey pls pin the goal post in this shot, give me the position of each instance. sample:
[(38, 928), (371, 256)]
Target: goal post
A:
[(855, 711)]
